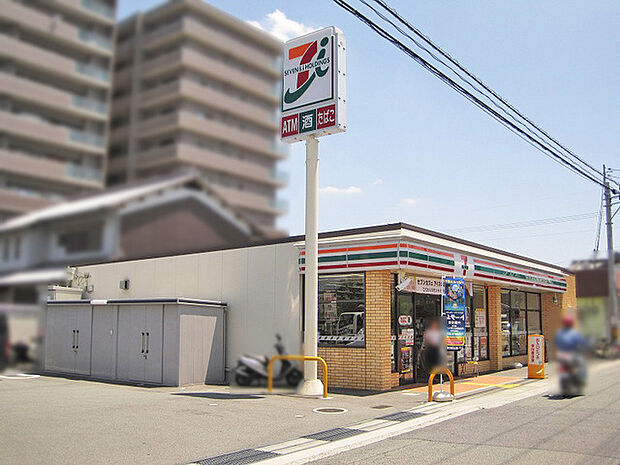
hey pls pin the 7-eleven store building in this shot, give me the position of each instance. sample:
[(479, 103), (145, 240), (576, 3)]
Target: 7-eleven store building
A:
[(379, 287)]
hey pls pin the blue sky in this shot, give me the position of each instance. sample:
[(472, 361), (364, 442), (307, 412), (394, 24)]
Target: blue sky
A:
[(416, 151)]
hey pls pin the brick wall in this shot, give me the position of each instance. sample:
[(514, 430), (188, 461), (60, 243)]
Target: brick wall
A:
[(495, 327), (369, 367), (552, 312)]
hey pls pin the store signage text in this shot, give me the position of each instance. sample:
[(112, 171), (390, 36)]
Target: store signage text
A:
[(428, 286)]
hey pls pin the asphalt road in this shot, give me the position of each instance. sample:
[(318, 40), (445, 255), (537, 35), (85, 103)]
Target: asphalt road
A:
[(536, 430)]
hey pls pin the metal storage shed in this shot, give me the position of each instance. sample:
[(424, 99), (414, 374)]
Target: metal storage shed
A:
[(156, 341)]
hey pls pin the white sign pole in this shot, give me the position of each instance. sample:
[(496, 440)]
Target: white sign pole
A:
[(313, 105), (312, 386)]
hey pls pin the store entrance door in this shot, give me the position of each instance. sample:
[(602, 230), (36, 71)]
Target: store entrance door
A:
[(427, 308), (405, 338), (414, 313)]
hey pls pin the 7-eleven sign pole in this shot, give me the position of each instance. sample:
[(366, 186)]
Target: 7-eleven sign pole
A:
[(313, 105), (311, 386)]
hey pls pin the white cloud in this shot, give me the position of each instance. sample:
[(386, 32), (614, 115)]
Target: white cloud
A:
[(351, 190), (377, 182), (283, 28), (410, 201)]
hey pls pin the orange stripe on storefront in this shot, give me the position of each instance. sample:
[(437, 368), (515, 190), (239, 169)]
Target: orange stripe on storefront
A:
[(426, 249)]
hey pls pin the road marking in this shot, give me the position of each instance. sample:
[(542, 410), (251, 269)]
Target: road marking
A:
[(292, 446), (490, 384), (435, 413), (372, 425)]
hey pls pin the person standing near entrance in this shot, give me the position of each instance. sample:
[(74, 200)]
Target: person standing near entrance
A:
[(433, 352)]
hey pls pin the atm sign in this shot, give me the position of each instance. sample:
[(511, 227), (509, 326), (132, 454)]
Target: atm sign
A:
[(306, 121)]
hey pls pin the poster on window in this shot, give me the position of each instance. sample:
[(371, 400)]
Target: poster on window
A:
[(483, 347), (405, 360), (454, 312), (480, 316)]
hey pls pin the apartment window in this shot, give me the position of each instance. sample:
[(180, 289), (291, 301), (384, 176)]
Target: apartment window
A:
[(520, 318), (17, 248), (6, 250), (82, 239)]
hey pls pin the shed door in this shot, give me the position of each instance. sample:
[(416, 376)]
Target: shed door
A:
[(154, 335), (104, 341), (83, 321), (60, 339), (131, 342)]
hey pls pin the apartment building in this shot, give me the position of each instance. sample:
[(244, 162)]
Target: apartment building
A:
[(194, 86), (55, 82)]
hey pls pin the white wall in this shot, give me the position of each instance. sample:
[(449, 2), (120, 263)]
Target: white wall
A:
[(260, 285)]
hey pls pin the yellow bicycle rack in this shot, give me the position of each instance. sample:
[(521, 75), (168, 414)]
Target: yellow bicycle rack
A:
[(305, 358), (437, 371)]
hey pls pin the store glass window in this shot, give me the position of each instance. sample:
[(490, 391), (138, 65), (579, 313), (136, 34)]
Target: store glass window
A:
[(505, 323), (518, 331), (520, 318), (476, 327), (534, 323), (342, 310), (479, 321)]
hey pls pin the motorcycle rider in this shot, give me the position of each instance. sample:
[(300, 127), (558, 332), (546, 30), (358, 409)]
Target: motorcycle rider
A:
[(570, 344)]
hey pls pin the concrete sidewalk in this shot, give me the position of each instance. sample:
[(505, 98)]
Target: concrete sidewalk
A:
[(73, 421)]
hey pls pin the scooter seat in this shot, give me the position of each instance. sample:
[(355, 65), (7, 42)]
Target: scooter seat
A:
[(262, 358)]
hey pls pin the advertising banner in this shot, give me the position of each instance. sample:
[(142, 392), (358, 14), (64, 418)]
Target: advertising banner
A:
[(454, 311), (313, 85), (428, 286), (536, 356)]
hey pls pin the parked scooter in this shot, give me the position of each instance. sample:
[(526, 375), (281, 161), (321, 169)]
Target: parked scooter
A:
[(572, 374), (252, 368)]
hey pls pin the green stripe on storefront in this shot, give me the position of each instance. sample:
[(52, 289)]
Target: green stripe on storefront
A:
[(368, 256), (430, 258), (353, 257), (517, 275)]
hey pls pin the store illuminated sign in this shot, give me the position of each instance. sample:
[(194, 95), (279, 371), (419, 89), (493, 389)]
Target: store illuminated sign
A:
[(313, 85)]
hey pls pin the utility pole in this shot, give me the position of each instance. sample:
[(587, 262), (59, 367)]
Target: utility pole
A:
[(611, 281)]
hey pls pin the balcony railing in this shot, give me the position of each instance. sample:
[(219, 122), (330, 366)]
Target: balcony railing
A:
[(99, 8), (92, 71), (97, 39), (88, 138), (90, 104), (84, 172)]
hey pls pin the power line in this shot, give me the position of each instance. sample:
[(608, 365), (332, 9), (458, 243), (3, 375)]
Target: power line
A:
[(525, 224), (426, 39), (514, 119), (510, 125)]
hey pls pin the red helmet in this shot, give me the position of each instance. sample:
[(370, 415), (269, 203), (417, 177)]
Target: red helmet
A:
[(568, 321)]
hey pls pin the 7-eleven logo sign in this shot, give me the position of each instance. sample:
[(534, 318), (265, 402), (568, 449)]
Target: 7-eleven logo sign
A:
[(313, 85), (307, 77)]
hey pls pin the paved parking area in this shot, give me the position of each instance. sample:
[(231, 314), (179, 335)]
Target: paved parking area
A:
[(61, 420)]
